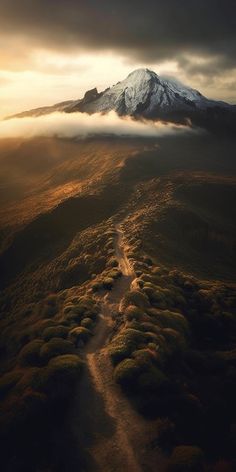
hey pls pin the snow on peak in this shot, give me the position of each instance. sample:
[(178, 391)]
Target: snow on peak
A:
[(141, 93), (139, 74)]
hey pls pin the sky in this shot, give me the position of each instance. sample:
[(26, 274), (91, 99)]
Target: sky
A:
[(55, 50)]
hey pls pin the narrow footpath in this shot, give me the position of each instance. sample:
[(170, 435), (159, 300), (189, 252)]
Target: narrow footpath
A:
[(112, 436)]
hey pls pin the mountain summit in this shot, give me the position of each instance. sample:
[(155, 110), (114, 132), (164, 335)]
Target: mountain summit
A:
[(145, 94)]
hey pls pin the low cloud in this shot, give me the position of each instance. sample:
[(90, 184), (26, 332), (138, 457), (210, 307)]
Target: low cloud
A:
[(82, 125)]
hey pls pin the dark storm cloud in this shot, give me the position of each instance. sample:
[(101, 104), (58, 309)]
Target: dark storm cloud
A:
[(145, 30)]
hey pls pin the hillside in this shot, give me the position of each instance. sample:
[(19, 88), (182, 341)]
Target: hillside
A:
[(117, 303)]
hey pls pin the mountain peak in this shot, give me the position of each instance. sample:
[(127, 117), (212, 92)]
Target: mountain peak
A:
[(143, 93), (141, 76), (142, 72)]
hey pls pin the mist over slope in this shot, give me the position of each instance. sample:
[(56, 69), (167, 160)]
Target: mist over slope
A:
[(81, 125)]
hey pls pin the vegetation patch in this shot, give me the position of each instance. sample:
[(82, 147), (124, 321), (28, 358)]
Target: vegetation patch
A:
[(80, 335), (55, 347), (137, 298), (30, 355), (153, 380), (58, 331), (125, 374), (133, 312), (108, 283)]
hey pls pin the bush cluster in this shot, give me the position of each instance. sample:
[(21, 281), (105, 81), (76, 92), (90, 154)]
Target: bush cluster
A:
[(174, 355)]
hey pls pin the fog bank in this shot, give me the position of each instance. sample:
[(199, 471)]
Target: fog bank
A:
[(81, 125)]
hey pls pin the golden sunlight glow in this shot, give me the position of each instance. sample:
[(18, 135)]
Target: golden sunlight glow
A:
[(48, 77)]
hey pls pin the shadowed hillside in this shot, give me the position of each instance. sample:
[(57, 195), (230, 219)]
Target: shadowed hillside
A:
[(117, 303)]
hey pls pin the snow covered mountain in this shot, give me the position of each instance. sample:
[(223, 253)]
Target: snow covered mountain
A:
[(144, 94)]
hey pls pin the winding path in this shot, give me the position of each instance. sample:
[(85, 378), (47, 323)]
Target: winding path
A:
[(120, 253), (110, 433)]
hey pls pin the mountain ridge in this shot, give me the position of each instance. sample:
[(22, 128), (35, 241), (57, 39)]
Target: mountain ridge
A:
[(144, 94)]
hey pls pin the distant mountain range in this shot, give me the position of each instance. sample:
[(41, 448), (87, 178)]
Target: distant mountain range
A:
[(144, 94)]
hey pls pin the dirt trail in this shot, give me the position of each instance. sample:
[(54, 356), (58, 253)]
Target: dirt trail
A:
[(120, 252), (111, 434)]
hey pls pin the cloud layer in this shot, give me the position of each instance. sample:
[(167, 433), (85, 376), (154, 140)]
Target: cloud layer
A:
[(64, 45), (154, 30), (81, 125)]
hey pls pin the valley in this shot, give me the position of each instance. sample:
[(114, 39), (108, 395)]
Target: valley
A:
[(117, 303)]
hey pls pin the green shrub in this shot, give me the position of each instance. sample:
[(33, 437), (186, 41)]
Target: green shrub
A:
[(55, 347), (133, 325), (114, 274), (68, 308), (73, 317), (30, 353), (118, 353), (28, 378), (108, 283), (127, 341), (37, 328), (137, 298), (80, 334), (150, 327), (78, 309), (74, 300), (149, 291), (93, 314), (144, 357), (131, 336), (96, 286), (133, 312), (86, 307), (86, 302), (151, 337), (58, 331), (126, 372), (51, 299), (152, 346), (157, 270), (87, 323), (60, 376), (174, 339), (169, 319), (67, 363), (8, 381), (147, 277), (153, 380), (186, 459), (160, 296)]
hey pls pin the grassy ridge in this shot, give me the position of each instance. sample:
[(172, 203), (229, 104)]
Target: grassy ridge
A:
[(173, 349)]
